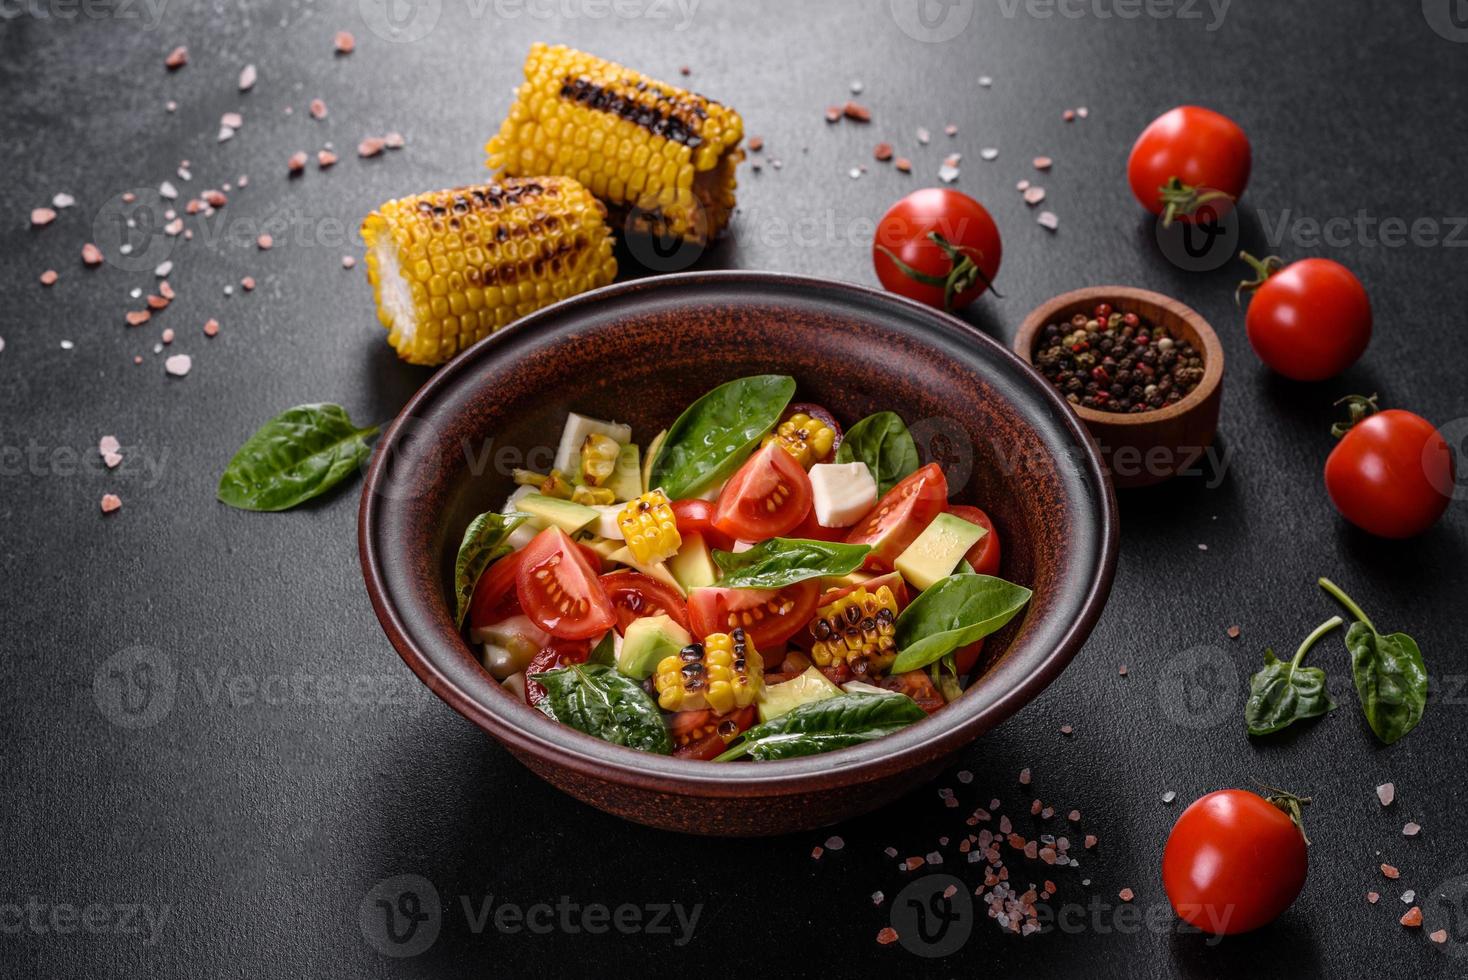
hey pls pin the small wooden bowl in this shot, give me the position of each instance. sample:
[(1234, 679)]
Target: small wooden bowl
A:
[(1147, 447)]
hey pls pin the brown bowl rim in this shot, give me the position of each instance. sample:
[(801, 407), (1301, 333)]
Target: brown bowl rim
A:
[(591, 758)]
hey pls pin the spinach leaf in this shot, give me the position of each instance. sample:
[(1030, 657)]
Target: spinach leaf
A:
[(778, 562), (1390, 675), (484, 543), (302, 452), (1283, 692), (820, 726), (604, 653), (954, 612), (718, 432), (597, 700), (884, 444)]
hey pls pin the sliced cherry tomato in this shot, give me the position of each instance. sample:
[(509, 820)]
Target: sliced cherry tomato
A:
[(893, 580), (558, 588), (1190, 164), (900, 516), (1392, 472), (937, 246), (634, 595), (1234, 861), (917, 685), (697, 517), (811, 530), (792, 666), (703, 734), (769, 495), (557, 654), (769, 617), (983, 557), (837, 673), (965, 658), (1309, 320), (495, 597)]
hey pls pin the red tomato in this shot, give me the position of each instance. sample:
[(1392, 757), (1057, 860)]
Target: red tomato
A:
[(559, 590), (1233, 862), (769, 496), (939, 247), (1391, 475), (917, 685), (558, 654), (1310, 320), (703, 734), (793, 665), (983, 557), (892, 580), (697, 517), (769, 617), (811, 530), (634, 595), (495, 598), (821, 414), (1190, 164), (900, 516), (966, 658)]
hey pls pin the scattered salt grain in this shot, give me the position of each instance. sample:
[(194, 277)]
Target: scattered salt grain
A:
[(948, 173), (1440, 936), (1126, 894), (247, 78), (1048, 220), (395, 141), (167, 337), (1412, 918), (41, 217), (163, 268), (67, 345), (344, 42), (318, 109), (108, 444), (815, 853), (1024, 777), (989, 153), (211, 327), (834, 843), (113, 460), (1386, 792), (177, 58), (965, 777), (985, 81), (887, 936), (1121, 670), (348, 261), (49, 277), (167, 191), (62, 200), (1034, 195), (1411, 829), (923, 136), (1409, 896), (264, 242), (1390, 872), (950, 130), (370, 147), (178, 365), (878, 898), (91, 254), (1169, 796), (110, 502), (1373, 897)]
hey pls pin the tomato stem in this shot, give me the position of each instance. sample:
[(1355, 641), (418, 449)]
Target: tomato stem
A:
[(1360, 407), (1182, 199), (1292, 804), (1340, 596), (1263, 269), (1314, 637), (963, 270)]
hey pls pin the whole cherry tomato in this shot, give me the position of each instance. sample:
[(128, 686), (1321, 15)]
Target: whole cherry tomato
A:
[(1234, 861), (1190, 164), (939, 247), (1392, 472), (1309, 320)]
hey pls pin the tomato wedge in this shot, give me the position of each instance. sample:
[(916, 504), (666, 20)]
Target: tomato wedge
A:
[(495, 598), (558, 654), (768, 496), (769, 617), (811, 530), (900, 516), (697, 517), (892, 580), (983, 557), (917, 685), (634, 595), (558, 588), (966, 658), (703, 734)]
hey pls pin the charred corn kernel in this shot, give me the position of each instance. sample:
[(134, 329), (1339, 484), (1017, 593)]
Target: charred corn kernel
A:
[(449, 268), (598, 459), (806, 438), (649, 527), (593, 496), (725, 726), (554, 484), (662, 157), (858, 630), (721, 673)]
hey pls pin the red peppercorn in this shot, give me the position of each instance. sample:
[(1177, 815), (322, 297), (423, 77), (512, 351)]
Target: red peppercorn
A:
[(1079, 346), (1143, 339), (1131, 319), (1101, 397), (1103, 310), (1099, 373)]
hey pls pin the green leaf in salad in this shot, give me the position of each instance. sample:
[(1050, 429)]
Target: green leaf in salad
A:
[(777, 562), (1390, 676), (884, 444), (605, 652), (718, 432), (299, 454), (1283, 692), (821, 726), (954, 612), (484, 544), (595, 699)]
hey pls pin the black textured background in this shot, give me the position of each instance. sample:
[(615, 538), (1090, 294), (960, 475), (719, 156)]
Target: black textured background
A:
[(261, 819)]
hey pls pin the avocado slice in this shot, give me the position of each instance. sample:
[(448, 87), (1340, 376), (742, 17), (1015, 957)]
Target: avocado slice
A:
[(626, 478), (693, 565), (564, 514), (938, 550), (775, 700), (646, 642)]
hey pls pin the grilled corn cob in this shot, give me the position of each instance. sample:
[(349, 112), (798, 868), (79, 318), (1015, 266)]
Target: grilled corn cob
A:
[(649, 527), (857, 630), (806, 438), (450, 267), (554, 485), (593, 496), (721, 673), (661, 156), (598, 459)]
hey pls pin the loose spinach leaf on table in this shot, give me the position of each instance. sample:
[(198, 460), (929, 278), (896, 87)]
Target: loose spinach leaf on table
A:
[(718, 432), (484, 543), (597, 700), (821, 726), (1390, 675), (302, 452), (884, 444), (952, 613), (1283, 692), (778, 562)]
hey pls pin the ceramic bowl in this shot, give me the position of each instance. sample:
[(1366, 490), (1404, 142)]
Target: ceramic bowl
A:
[(640, 352)]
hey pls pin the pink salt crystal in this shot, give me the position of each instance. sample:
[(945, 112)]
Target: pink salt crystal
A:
[(110, 502)]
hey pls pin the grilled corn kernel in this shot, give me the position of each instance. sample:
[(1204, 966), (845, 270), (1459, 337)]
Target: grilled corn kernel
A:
[(554, 484), (721, 673), (661, 156), (593, 496), (448, 268), (806, 438), (598, 459), (857, 630), (649, 527)]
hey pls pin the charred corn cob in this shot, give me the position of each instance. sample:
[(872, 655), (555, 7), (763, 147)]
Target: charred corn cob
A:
[(593, 496), (858, 630), (598, 459), (664, 158), (721, 673), (649, 527), (449, 268), (553, 485), (806, 438)]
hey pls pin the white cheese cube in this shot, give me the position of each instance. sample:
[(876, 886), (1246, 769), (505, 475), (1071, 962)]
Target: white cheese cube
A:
[(843, 492)]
